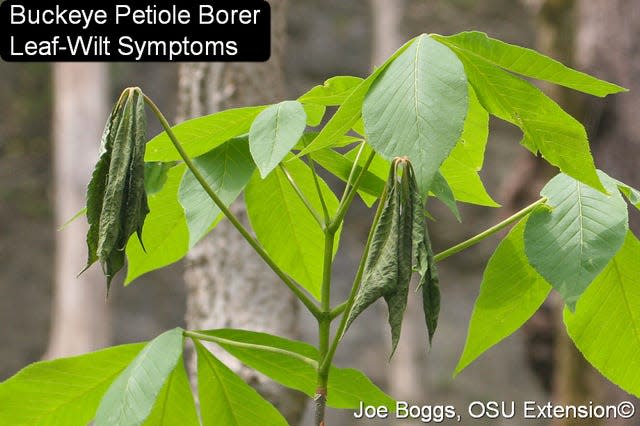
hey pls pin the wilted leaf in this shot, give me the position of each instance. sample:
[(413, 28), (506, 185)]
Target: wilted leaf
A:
[(116, 197), (387, 270), (423, 261)]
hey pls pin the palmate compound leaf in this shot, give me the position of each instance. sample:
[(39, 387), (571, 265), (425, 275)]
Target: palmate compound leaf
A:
[(573, 241), (225, 399), (285, 227), (64, 391), (274, 132), (227, 169), (116, 197), (293, 364), (510, 293), (132, 396), (417, 107), (606, 323), (546, 127)]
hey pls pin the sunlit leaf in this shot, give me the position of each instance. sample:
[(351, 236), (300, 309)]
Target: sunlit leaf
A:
[(64, 391), (226, 400), (200, 135), (175, 405), (527, 62), (165, 233), (291, 365), (510, 293), (461, 167), (284, 225), (606, 324), (334, 91)]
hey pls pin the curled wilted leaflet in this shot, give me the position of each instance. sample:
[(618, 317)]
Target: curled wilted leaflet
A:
[(399, 245), (116, 198)]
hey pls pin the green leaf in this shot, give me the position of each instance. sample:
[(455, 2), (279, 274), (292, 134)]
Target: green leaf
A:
[(527, 62), (350, 110), (546, 127), (571, 243), (387, 269), (165, 233), (632, 194), (606, 324), (202, 134), (155, 175), (284, 226), (79, 214), (441, 189), (226, 400), (131, 397), (315, 114), (417, 108), (175, 405), (64, 391), (461, 167), (274, 132), (339, 165), (227, 169), (334, 91), (293, 368), (510, 293)]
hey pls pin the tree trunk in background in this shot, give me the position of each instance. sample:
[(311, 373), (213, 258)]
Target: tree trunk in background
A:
[(607, 46), (80, 316), (228, 285), (387, 17)]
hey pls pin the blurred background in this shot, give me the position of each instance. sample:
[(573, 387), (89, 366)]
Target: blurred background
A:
[(51, 118)]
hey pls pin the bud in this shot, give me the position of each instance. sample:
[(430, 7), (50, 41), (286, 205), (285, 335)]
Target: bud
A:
[(116, 197)]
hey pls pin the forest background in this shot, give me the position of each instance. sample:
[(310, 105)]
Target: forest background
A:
[(325, 39)]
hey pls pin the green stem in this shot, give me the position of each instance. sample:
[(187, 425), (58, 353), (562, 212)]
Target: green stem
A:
[(346, 202), (324, 325), (325, 362), (335, 312), (302, 197), (316, 181), (483, 235), (306, 300), (252, 346), (352, 172)]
